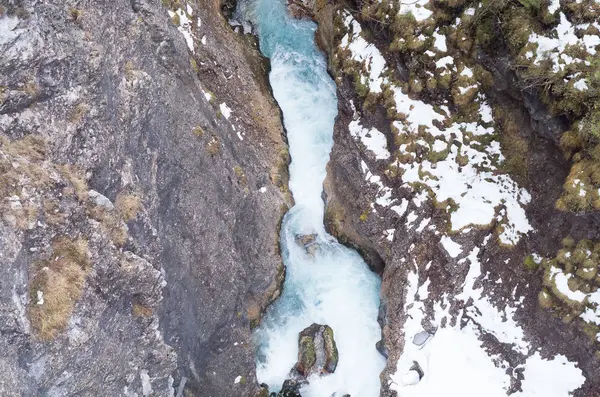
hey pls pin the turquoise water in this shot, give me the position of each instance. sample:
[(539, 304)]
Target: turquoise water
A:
[(333, 285)]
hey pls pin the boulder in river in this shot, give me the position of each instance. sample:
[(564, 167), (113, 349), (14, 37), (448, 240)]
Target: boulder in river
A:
[(308, 241), (317, 351), (290, 388)]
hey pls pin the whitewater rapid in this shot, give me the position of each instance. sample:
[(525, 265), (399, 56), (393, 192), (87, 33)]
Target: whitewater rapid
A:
[(333, 286)]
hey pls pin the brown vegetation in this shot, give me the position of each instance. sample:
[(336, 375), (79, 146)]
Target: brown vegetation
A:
[(61, 279)]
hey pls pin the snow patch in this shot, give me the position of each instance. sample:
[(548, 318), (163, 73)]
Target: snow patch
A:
[(365, 53), (372, 138), (454, 249), (416, 8), (185, 25), (225, 110)]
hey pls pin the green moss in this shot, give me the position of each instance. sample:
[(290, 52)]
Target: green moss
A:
[(485, 31), (532, 5), (568, 242), (308, 355), (363, 217), (462, 160), (194, 65), (545, 299), (518, 26), (241, 175), (445, 80), (415, 85), (280, 172), (434, 156), (331, 350), (530, 263)]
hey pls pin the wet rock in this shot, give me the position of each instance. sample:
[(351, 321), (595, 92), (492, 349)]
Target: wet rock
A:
[(290, 388), (301, 8), (308, 241), (317, 351)]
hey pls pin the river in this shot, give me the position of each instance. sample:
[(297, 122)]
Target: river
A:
[(333, 285)]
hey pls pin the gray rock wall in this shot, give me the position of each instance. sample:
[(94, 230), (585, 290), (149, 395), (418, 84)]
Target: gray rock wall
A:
[(188, 257)]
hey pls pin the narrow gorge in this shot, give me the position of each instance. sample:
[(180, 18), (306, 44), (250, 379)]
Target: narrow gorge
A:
[(325, 283)]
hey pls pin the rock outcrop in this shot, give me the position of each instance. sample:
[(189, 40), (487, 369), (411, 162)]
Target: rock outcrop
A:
[(142, 179), (416, 97)]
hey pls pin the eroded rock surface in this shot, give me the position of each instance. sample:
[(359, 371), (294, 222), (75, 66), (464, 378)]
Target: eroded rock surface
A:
[(143, 175)]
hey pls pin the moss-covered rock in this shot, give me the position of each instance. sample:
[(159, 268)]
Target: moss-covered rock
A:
[(317, 351)]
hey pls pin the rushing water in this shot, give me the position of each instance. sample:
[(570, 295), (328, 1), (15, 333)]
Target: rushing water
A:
[(333, 286)]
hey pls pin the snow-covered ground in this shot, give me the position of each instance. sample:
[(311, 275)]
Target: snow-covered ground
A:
[(454, 361), (479, 193), (553, 46), (365, 53)]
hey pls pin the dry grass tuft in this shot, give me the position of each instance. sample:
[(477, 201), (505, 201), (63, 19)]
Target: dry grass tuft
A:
[(139, 310), (78, 113), (214, 146), (77, 179), (198, 131), (61, 280), (31, 147), (128, 206), (75, 14)]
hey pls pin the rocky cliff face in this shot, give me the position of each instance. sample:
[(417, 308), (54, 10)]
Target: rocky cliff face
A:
[(142, 168), (447, 175)]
